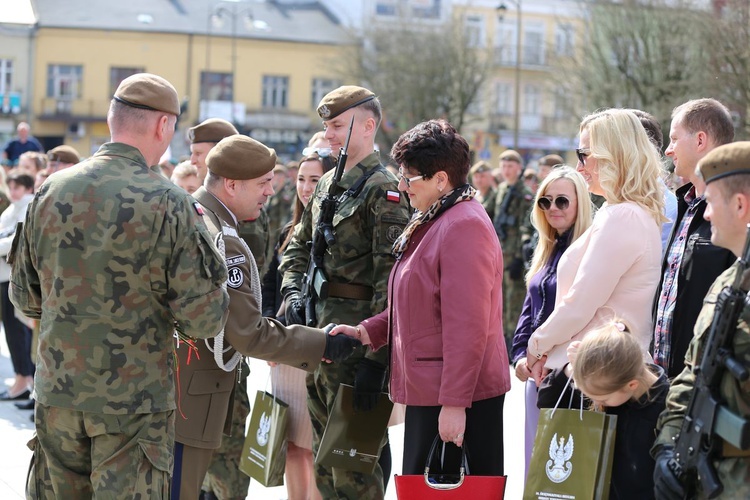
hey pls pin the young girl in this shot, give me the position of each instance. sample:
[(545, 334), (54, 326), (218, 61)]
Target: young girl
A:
[(608, 368)]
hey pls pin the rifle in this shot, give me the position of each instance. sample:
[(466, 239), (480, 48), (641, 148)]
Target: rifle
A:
[(707, 414), (502, 219), (315, 282)]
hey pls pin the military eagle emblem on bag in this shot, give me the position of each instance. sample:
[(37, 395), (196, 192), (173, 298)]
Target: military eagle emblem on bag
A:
[(264, 427), (559, 466)]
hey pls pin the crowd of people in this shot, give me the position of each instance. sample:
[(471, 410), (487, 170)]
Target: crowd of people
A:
[(147, 284)]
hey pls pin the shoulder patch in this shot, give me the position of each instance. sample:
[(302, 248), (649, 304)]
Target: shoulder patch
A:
[(393, 196), (198, 209), (393, 232), (235, 278), (233, 261)]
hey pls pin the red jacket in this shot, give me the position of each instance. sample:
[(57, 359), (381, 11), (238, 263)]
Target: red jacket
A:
[(447, 345)]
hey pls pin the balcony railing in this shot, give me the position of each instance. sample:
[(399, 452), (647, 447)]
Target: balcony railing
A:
[(74, 109)]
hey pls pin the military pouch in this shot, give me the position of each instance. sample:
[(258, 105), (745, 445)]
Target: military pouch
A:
[(320, 283)]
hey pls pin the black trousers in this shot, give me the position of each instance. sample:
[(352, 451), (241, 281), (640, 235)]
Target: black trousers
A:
[(17, 335), (483, 439)]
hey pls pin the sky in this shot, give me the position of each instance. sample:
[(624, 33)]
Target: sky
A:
[(16, 12)]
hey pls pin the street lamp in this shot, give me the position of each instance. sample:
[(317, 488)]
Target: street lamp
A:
[(501, 10)]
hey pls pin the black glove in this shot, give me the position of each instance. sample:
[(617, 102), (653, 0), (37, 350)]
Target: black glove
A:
[(368, 384), (666, 484), (295, 309), (515, 269), (338, 347)]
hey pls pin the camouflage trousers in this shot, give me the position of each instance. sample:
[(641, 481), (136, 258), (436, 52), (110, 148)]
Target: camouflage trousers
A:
[(514, 293), (734, 474), (224, 477), (94, 455), (322, 386)]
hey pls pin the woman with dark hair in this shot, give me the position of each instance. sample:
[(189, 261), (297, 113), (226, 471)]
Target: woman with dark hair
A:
[(448, 360)]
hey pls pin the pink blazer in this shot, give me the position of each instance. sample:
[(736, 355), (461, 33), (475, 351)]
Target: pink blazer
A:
[(447, 345)]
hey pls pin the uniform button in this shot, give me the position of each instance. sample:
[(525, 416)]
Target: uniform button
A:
[(303, 365), (217, 385)]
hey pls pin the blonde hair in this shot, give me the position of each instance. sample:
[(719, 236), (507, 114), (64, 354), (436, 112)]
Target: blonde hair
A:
[(629, 166), (608, 358), (548, 234), (184, 169)]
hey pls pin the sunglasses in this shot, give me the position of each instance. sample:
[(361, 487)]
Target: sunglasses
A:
[(408, 180), (322, 152), (582, 154), (545, 202)]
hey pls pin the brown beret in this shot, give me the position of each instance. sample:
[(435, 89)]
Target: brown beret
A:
[(240, 158), (479, 167), (147, 91), (211, 130), (63, 154), (726, 160), (551, 160), (511, 155), (337, 101)]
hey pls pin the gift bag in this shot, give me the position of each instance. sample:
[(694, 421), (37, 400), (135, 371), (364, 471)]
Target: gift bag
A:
[(264, 452), (441, 486), (352, 438), (572, 455)]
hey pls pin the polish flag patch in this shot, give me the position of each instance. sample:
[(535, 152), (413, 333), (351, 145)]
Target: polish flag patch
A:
[(198, 208), (393, 196)]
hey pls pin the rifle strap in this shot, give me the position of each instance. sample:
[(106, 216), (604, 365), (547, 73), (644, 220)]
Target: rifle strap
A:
[(730, 451), (354, 191), (349, 291)]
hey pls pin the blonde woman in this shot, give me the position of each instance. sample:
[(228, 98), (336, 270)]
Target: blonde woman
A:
[(614, 265), (561, 214)]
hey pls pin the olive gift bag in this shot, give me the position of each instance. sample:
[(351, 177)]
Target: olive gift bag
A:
[(264, 452)]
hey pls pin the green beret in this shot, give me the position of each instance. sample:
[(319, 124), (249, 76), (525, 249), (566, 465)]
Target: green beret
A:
[(511, 155), (211, 130), (551, 160), (240, 158), (726, 160), (147, 91), (63, 154), (337, 101), (479, 167)]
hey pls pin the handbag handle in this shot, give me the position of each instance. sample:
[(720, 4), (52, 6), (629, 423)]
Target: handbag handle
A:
[(461, 472), (567, 384)]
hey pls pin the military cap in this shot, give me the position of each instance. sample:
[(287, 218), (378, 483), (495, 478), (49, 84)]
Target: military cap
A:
[(339, 100), (63, 154), (479, 167), (551, 160), (511, 155), (147, 91), (726, 160), (211, 130), (240, 157)]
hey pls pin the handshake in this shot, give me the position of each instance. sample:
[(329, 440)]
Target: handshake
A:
[(338, 347)]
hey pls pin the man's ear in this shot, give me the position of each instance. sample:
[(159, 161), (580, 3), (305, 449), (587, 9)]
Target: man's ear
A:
[(162, 125), (230, 186)]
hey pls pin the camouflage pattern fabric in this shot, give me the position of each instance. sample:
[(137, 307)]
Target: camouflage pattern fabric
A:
[(111, 257), (256, 234), (366, 227), (515, 235), (488, 202), (280, 208), (224, 478), (86, 455), (734, 473)]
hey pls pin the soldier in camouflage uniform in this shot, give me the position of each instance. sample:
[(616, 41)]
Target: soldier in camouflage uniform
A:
[(237, 185), (513, 226), (481, 178), (111, 258), (726, 171), (281, 203), (357, 266)]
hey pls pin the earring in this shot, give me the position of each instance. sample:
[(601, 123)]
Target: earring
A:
[(440, 188)]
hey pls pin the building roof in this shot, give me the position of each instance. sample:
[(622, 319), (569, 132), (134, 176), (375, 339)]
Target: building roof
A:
[(300, 21)]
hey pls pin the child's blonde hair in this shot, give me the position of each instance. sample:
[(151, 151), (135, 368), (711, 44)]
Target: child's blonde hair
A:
[(608, 359)]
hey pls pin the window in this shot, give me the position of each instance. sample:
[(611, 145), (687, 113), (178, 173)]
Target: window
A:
[(564, 40), (386, 8), (504, 93), (217, 86), (117, 75), (474, 30), (562, 103), (320, 87), (420, 9), (533, 44), (64, 81), (425, 9), (275, 91), (531, 100), (6, 75), (505, 45)]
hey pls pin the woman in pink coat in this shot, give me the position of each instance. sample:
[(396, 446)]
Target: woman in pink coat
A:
[(448, 361)]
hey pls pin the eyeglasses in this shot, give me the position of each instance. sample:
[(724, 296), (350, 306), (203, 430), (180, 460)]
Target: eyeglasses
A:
[(322, 152), (582, 154), (561, 202), (409, 180)]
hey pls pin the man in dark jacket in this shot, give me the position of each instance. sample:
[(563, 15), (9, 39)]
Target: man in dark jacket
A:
[(691, 263)]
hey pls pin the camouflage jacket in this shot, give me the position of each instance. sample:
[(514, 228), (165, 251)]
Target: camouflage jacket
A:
[(111, 257), (734, 473), (488, 202), (365, 228), (513, 225), (280, 207), (257, 235)]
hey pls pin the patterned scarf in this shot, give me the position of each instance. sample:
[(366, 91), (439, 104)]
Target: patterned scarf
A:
[(459, 194)]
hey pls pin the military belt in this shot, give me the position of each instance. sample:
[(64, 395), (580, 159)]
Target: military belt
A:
[(347, 291), (730, 451)]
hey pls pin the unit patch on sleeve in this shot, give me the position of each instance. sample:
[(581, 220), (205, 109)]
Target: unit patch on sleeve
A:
[(234, 261), (236, 278)]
